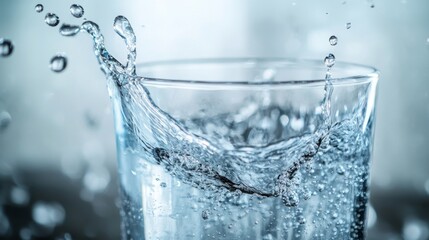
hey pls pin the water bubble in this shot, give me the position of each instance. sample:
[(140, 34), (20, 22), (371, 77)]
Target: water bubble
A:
[(348, 25), (333, 40), (5, 120), (205, 214), (341, 170), (58, 63), (415, 229), (69, 30), (25, 233), (372, 217), (330, 60), (6, 47), (38, 8), (4, 224), (19, 196), (427, 186), (52, 19), (48, 214), (97, 179), (76, 10), (163, 184), (373, 5)]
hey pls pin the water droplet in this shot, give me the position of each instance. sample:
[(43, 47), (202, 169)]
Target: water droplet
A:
[(372, 217), (97, 179), (427, 40), (415, 229), (427, 186), (348, 25), (341, 170), (163, 184), (5, 120), (38, 8), (4, 224), (58, 63), (48, 214), (6, 47), (373, 5), (25, 233), (52, 19), (19, 196), (205, 214), (333, 40), (76, 10), (330, 60), (69, 30)]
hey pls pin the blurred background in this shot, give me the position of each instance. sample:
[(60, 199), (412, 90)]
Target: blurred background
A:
[(57, 150)]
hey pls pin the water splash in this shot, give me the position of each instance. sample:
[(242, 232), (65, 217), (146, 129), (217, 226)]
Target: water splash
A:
[(6, 47), (39, 8), (181, 164), (58, 63), (77, 10), (52, 19)]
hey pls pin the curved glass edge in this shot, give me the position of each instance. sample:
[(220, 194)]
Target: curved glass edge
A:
[(371, 75)]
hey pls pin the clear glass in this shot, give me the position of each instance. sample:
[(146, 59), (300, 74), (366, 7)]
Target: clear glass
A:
[(204, 147)]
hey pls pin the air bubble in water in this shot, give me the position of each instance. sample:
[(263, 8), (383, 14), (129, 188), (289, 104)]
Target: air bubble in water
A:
[(163, 184), (205, 214), (76, 10), (38, 8), (330, 60), (48, 214), (5, 120), (58, 63), (52, 19), (348, 25), (333, 40), (6, 47)]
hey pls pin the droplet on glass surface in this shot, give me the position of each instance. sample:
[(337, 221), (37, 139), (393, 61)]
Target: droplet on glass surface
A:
[(329, 60), (76, 10), (333, 40), (52, 19), (205, 214), (6, 47), (58, 63), (38, 8)]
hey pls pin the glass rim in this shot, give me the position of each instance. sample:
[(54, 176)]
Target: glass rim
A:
[(370, 73)]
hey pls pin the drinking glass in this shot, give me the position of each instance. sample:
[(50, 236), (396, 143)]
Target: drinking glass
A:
[(245, 149)]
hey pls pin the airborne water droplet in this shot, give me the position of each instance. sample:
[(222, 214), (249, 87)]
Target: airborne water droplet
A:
[(38, 8), (69, 30), (333, 40), (58, 63), (52, 19), (6, 47), (330, 60), (76, 10), (5, 120), (348, 25)]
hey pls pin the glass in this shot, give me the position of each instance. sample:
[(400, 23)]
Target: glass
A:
[(242, 149)]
